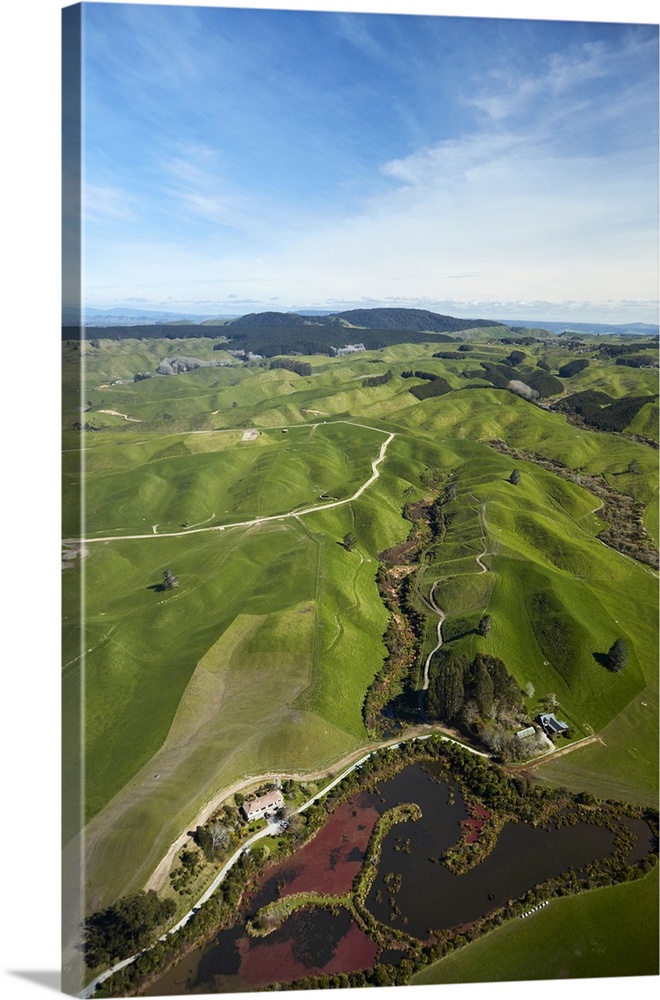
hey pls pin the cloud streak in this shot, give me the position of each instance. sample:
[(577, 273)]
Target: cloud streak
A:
[(360, 156)]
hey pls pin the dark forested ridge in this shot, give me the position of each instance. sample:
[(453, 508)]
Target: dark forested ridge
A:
[(339, 327), (279, 319), (410, 319)]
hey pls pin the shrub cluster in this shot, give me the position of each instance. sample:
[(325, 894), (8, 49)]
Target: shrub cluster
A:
[(298, 367), (457, 685), (436, 384), (573, 367), (625, 531), (599, 410), (639, 361), (374, 380)]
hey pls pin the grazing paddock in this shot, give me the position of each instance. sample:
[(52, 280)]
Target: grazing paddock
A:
[(136, 483), (600, 933), (260, 660)]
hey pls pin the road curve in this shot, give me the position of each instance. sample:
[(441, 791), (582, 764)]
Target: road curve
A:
[(266, 832), (257, 520), (441, 617), (442, 614)]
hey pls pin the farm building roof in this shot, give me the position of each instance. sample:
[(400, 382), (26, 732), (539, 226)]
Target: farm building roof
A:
[(271, 800), (551, 722)]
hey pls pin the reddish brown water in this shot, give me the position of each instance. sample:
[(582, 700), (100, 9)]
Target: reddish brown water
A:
[(330, 862), (428, 897)]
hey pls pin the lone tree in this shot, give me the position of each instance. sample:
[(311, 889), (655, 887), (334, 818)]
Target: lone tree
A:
[(350, 541), (485, 625), (617, 655), (514, 477), (169, 580)]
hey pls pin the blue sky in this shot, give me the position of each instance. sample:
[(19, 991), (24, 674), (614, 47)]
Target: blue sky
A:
[(239, 160)]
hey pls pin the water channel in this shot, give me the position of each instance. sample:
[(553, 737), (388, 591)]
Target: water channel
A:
[(412, 891)]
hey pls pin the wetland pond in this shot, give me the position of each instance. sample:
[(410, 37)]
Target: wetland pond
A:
[(412, 891)]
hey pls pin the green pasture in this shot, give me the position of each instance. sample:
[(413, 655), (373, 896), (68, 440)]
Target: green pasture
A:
[(549, 593), (617, 380), (259, 661), (605, 932), (646, 421), (488, 414), (174, 686), (142, 645), (134, 481), (652, 517)]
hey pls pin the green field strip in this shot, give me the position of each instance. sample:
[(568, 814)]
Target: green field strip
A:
[(652, 518), (135, 679), (350, 622), (611, 931), (646, 421), (150, 673)]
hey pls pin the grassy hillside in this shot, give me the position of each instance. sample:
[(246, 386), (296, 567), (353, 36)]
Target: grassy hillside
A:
[(135, 481), (596, 934), (260, 660)]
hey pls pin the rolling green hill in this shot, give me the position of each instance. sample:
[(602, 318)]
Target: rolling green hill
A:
[(260, 660)]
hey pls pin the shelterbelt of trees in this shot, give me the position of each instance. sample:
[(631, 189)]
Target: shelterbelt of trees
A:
[(507, 797)]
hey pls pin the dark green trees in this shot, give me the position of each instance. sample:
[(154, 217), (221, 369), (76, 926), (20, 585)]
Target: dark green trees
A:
[(485, 625), (298, 367), (350, 541), (573, 367), (514, 477), (169, 580), (125, 928), (617, 655), (446, 695), (483, 687), (486, 682)]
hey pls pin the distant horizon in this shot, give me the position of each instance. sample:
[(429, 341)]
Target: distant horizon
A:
[(249, 160), (160, 316)]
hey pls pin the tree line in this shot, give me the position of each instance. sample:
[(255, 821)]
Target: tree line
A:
[(298, 367), (515, 796)]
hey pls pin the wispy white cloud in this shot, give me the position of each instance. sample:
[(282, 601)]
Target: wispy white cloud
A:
[(533, 180), (103, 203), (194, 183)]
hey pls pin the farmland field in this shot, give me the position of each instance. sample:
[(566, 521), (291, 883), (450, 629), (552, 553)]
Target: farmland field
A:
[(597, 934), (272, 496)]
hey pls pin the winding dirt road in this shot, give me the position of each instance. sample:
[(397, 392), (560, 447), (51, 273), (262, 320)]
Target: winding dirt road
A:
[(441, 613), (441, 617), (259, 520), (266, 832)]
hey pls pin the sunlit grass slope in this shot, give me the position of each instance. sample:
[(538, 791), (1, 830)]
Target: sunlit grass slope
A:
[(290, 592), (600, 933), (552, 589), (134, 480), (142, 645), (274, 634)]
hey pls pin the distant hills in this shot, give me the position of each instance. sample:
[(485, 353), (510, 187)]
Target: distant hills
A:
[(419, 320), (620, 329), (269, 334)]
